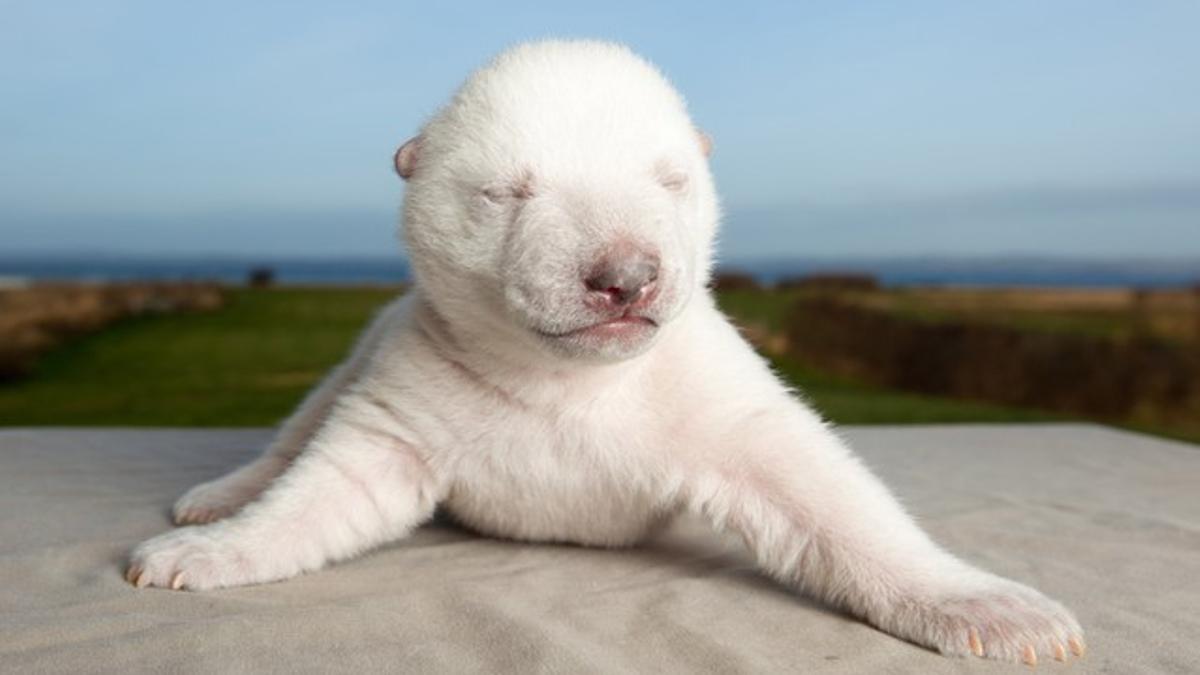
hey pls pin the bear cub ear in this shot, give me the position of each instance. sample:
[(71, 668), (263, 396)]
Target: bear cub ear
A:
[(706, 145), (407, 156)]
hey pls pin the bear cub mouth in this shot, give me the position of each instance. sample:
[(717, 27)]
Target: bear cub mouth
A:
[(625, 327)]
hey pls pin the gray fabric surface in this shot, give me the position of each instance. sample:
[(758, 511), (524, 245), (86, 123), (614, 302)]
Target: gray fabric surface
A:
[(1107, 522)]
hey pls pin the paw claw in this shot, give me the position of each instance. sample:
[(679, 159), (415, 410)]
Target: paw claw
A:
[(198, 559), (999, 619), (200, 517), (193, 517), (974, 642)]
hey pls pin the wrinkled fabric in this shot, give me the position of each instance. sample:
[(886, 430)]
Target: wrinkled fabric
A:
[(1105, 521)]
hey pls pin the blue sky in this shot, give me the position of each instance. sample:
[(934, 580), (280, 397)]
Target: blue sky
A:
[(841, 128)]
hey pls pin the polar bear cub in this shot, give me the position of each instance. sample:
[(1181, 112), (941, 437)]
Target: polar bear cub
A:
[(560, 372)]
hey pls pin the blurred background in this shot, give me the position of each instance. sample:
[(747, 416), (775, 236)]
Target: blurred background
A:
[(935, 211)]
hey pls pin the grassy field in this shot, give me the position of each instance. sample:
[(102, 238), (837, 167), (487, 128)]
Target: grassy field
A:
[(1082, 318), (1170, 314), (251, 361), (245, 364), (36, 319)]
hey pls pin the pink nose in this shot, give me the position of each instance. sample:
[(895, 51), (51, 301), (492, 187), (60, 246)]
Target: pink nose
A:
[(623, 279)]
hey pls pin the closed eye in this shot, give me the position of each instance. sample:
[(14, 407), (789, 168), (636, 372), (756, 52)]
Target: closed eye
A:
[(671, 177), (675, 182), (500, 191)]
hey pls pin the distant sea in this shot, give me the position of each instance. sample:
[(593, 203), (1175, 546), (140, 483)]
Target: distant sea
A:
[(891, 271)]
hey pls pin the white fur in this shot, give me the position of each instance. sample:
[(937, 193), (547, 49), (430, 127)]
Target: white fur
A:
[(460, 395)]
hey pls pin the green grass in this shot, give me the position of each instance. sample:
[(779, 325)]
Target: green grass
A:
[(246, 364), (249, 364)]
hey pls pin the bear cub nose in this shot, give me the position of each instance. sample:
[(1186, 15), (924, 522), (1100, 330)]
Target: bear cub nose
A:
[(623, 279)]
